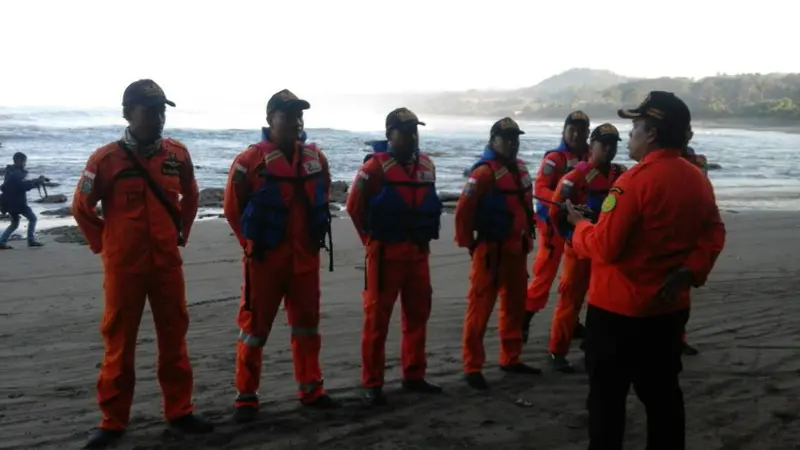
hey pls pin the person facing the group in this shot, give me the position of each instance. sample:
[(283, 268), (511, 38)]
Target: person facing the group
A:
[(14, 200), (555, 164), (396, 211), (494, 222), (659, 233), (149, 197), (588, 184), (276, 202)]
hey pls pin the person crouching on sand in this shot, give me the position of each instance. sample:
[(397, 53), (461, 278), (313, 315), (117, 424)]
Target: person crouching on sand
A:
[(149, 196), (396, 211), (494, 220), (659, 233)]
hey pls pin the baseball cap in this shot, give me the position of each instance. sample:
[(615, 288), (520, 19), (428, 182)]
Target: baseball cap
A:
[(606, 133), (505, 126), (285, 100), (402, 118), (662, 106), (145, 92), (576, 117)]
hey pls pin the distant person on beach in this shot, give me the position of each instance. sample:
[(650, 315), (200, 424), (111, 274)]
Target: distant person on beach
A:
[(149, 196), (588, 184), (276, 202), (494, 221), (14, 200), (396, 211), (572, 150), (659, 233)]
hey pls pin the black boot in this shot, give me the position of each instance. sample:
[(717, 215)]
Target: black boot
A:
[(245, 414), (526, 325), (373, 396), (561, 364), (191, 424), (102, 438), (422, 386), (521, 368), (324, 401), (477, 381)]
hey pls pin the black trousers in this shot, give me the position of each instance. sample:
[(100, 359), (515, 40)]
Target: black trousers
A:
[(644, 352)]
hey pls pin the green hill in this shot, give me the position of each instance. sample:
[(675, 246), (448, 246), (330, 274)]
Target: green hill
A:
[(771, 97)]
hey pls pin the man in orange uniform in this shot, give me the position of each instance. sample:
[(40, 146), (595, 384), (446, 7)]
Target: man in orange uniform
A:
[(148, 192), (555, 164), (396, 211), (702, 163), (276, 202), (494, 220), (659, 234), (587, 184)]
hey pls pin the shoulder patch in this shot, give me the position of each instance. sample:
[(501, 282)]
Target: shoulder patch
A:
[(616, 190), (566, 188), (609, 203)]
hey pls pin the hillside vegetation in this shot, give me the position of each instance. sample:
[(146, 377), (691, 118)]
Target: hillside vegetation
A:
[(600, 93)]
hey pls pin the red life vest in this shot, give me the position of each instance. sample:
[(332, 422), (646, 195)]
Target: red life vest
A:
[(266, 214), (407, 209)]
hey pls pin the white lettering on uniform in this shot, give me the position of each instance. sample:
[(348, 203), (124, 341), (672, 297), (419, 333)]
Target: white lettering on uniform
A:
[(550, 162), (88, 174), (472, 181), (313, 167), (239, 168), (363, 175)]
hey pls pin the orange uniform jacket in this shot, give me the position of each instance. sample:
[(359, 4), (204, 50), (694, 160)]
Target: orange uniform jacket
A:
[(660, 215), (297, 246), (479, 184), (136, 232), (367, 184), (554, 165)]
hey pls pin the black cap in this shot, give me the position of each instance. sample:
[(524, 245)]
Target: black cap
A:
[(505, 126), (146, 93), (402, 118), (285, 100), (577, 117), (605, 133), (664, 107)]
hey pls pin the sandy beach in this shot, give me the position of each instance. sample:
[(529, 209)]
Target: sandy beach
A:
[(742, 391)]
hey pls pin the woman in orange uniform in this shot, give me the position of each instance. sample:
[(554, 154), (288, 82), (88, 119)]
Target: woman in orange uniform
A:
[(494, 220), (555, 164), (587, 184), (659, 234)]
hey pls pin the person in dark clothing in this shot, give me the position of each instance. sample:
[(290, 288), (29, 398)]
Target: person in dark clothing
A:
[(14, 200)]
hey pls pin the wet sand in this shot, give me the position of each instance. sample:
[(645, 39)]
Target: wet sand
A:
[(742, 391)]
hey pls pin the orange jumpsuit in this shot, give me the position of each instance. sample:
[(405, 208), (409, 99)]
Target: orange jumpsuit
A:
[(395, 264), (288, 271), (499, 264), (138, 241), (585, 184), (551, 245)]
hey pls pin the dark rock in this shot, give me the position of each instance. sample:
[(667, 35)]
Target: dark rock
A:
[(211, 198), (69, 234), (339, 192), (60, 212), (57, 198), (714, 166), (448, 196)]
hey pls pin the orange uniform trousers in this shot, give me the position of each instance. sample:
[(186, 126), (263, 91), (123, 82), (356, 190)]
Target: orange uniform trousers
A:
[(494, 272), (125, 296), (572, 289), (267, 284), (545, 266), (385, 279)]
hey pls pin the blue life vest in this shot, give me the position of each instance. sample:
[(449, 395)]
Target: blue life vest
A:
[(494, 217), (266, 214), (407, 208), (377, 147)]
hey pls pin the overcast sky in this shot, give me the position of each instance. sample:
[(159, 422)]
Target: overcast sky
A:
[(84, 52)]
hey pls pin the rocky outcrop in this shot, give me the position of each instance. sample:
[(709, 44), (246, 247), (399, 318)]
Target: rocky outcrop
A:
[(211, 198), (57, 198), (69, 234)]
